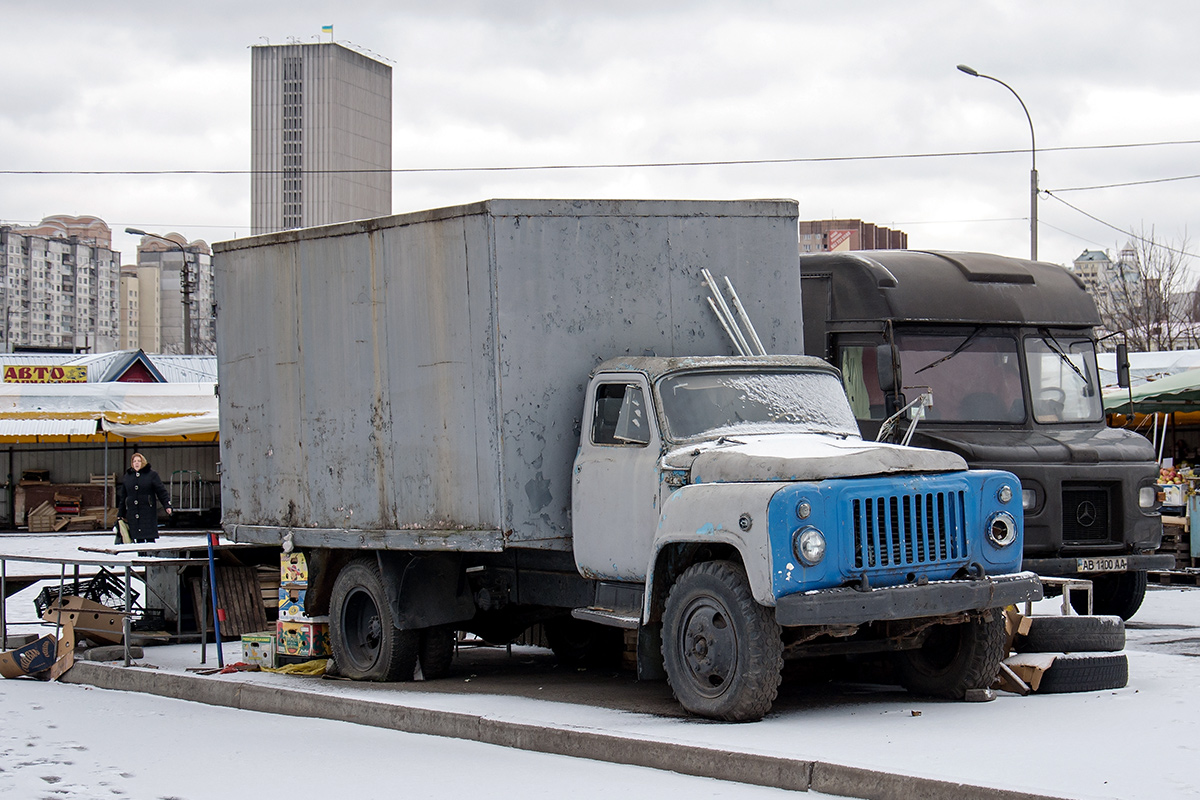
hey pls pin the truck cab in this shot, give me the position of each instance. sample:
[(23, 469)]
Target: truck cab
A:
[(1005, 351), (730, 505)]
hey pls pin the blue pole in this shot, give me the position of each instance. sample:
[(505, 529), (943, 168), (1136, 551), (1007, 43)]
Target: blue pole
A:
[(212, 581)]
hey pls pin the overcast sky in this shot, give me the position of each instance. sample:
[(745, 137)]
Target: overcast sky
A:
[(137, 86)]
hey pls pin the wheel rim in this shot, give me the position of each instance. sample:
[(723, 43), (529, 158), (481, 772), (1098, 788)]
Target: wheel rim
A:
[(709, 646), (362, 630)]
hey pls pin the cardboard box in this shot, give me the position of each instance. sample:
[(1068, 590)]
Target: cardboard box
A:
[(291, 603), (307, 639), (293, 569), (259, 648)]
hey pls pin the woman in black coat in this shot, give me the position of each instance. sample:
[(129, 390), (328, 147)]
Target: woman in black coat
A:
[(136, 494)]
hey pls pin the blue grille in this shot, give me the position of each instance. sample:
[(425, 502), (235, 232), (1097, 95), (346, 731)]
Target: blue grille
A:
[(903, 530)]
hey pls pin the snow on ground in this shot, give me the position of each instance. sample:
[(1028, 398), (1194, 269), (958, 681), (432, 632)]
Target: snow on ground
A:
[(1138, 742), (64, 742)]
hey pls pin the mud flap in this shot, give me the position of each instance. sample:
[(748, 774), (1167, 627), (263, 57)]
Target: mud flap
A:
[(425, 590)]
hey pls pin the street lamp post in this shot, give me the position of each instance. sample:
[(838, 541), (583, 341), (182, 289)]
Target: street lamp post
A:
[(1033, 180), (185, 286)]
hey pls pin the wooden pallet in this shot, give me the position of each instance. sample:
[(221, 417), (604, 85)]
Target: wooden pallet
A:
[(240, 596), (1175, 578), (1177, 541)]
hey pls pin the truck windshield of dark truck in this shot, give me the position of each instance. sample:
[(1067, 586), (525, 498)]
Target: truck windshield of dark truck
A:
[(703, 403), (975, 376)]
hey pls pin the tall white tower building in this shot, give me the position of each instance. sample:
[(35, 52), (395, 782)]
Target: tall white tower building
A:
[(321, 134)]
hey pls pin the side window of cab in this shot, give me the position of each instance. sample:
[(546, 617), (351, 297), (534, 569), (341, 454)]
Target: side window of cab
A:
[(860, 376), (620, 415)]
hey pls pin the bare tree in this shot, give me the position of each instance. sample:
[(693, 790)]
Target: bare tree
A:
[(1150, 294)]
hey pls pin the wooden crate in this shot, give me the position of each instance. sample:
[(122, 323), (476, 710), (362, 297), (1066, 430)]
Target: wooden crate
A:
[(41, 519)]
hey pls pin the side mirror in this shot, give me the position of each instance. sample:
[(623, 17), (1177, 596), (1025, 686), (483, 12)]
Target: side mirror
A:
[(1123, 366), (888, 368)]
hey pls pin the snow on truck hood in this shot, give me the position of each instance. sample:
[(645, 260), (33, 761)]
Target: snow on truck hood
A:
[(805, 457)]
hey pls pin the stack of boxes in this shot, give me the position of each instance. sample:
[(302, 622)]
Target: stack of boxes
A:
[(297, 635)]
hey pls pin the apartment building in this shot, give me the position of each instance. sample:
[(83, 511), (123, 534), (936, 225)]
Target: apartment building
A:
[(59, 283)]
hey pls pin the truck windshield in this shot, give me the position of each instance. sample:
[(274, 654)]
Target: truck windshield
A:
[(1062, 379), (697, 404), (974, 376)]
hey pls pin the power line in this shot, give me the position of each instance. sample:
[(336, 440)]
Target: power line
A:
[(1128, 183), (618, 165), (1130, 234)]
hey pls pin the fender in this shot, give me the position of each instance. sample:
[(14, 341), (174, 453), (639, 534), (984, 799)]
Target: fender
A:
[(713, 513), (425, 589)]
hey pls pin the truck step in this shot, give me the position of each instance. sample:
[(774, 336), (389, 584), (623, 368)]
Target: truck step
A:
[(628, 619)]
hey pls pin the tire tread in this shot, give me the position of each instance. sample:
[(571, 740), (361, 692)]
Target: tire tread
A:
[(1085, 672), (763, 672), (1073, 634)]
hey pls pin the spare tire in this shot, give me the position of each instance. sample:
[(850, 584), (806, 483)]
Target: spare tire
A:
[(1085, 672), (1073, 634)]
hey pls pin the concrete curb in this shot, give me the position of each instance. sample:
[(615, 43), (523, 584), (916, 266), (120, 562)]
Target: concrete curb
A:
[(703, 762)]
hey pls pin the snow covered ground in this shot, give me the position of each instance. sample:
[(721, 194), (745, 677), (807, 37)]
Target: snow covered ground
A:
[(1136, 742)]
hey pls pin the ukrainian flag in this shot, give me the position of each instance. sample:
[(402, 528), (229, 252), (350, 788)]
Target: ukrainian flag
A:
[(326, 29)]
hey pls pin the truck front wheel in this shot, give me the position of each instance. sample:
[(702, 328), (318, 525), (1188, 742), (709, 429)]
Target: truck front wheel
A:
[(366, 644), (955, 658), (723, 651)]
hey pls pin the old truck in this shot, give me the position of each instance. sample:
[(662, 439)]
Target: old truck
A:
[(1006, 348), (516, 412)]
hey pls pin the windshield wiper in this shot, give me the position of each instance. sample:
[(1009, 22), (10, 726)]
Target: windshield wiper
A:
[(952, 353), (1049, 340)]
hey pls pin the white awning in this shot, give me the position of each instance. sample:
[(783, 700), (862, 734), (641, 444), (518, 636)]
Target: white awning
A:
[(128, 410), (20, 428)]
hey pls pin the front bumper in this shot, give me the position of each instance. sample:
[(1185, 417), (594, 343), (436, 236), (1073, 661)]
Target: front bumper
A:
[(848, 606)]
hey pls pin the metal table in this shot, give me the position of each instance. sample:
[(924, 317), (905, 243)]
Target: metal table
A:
[(112, 559)]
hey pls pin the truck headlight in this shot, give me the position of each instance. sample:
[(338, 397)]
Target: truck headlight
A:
[(1002, 529), (809, 546), (1148, 496), (1028, 499)]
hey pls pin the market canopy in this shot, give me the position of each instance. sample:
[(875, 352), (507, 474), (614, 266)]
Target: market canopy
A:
[(83, 411), (1180, 392)]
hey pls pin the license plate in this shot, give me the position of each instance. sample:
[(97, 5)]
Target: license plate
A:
[(1106, 564)]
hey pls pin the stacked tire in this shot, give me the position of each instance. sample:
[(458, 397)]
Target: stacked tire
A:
[(1089, 652)]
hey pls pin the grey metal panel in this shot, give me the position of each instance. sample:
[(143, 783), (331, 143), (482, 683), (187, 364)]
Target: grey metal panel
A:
[(425, 372), (258, 363), (578, 282), (443, 457), (479, 541)]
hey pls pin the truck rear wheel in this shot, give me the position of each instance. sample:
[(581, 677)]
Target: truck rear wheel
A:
[(723, 651), (1118, 594), (955, 658), (436, 652), (366, 644)]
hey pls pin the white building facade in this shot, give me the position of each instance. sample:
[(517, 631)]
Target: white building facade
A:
[(321, 136)]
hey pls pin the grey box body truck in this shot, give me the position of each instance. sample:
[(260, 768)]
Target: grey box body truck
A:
[(514, 412)]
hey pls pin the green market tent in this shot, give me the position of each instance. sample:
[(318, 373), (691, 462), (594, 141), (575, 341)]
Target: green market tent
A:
[(1175, 393)]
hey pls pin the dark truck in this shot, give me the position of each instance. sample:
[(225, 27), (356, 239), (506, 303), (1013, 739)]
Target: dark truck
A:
[(1006, 350)]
